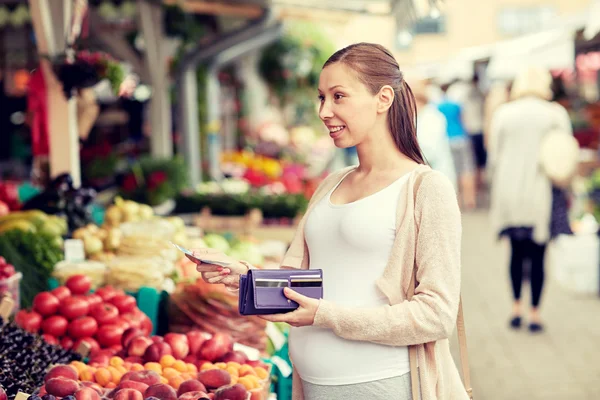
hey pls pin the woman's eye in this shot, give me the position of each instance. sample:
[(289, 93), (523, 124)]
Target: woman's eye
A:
[(321, 98), (338, 96)]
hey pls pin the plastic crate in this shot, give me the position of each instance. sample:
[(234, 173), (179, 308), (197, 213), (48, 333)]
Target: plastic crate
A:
[(10, 287), (149, 300)]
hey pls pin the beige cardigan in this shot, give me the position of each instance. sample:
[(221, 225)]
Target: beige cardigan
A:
[(432, 239)]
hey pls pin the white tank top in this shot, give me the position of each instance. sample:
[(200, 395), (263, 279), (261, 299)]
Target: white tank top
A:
[(351, 243)]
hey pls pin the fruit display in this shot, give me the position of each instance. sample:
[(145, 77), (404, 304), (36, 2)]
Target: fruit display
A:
[(132, 229), (212, 309), (34, 221), (127, 211), (94, 270), (24, 359), (70, 315), (167, 368), (99, 243)]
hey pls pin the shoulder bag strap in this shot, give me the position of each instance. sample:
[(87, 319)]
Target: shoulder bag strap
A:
[(460, 328)]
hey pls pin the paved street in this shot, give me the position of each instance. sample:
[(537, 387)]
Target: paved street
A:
[(561, 363)]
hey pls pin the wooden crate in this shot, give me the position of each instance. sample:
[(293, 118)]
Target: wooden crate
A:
[(252, 224)]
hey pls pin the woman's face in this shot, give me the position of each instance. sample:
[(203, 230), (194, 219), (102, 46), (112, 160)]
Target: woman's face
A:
[(347, 107)]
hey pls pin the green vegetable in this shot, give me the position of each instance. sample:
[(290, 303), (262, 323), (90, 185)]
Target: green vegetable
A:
[(34, 255)]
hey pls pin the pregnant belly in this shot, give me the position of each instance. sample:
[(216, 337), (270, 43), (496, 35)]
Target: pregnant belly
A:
[(321, 357)]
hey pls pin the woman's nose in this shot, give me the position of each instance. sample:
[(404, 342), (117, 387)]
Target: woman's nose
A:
[(325, 111)]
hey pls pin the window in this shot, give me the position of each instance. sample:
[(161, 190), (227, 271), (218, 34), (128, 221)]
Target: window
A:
[(430, 25), (433, 24)]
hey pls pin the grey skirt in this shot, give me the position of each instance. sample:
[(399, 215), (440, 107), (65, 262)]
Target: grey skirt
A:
[(397, 388)]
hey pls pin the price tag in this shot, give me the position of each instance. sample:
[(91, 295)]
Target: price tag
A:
[(74, 250), (6, 307), (284, 367), (276, 336), (251, 352)]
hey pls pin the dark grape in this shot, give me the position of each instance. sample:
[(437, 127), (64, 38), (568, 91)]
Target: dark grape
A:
[(24, 359)]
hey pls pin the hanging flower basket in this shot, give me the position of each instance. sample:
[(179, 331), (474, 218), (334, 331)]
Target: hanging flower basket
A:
[(87, 69)]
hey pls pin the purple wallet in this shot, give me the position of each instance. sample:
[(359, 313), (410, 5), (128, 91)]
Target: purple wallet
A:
[(261, 290)]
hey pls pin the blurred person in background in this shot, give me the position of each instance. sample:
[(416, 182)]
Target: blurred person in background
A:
[(522, 194), (471, 99), (431, 133), (460, 147), (498, 94)]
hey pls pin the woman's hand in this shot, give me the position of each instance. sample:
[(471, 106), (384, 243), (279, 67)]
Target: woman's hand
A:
[(304, 315), (211, 273)]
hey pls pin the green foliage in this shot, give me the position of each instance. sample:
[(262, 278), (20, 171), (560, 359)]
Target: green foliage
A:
[(154, 180), (34, 255), (291, 66), (272, 206)]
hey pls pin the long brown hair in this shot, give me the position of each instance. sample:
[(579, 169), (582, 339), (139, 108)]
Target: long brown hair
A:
[(376, 67)]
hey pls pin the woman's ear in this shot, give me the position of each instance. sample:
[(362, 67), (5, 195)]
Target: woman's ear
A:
[(385, 98)]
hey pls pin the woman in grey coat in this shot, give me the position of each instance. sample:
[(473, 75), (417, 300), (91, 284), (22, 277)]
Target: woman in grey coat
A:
[(521, 193)]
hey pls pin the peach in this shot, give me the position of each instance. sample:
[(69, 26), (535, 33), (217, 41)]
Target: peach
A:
[(155, 351), (87, 393), (128, 394), (138, 345), (195, 340), (139, 386), (167, 360), (129, 334), (194, 396), (215, 347), (190, 359), (180, 366), (93, 386), (157, 339), (161, 392), (234, 392), (261, 372), (214, 378), (148, 377), (192, 385), (62, 371), (134, 360), (61, 387), (234, 356), (179, 345)]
